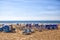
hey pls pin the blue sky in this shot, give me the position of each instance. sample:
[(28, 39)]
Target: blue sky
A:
[(29, 9)]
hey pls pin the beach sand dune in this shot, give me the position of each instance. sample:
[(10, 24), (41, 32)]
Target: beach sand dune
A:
[(44, 35)]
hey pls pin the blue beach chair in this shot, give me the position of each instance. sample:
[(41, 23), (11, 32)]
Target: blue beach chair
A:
[(6, 28), (47, 27), (54, 26), (1, 29)]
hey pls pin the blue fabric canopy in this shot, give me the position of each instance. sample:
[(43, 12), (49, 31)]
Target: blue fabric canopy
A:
[(51, 27), (1, 29), (6, 28)]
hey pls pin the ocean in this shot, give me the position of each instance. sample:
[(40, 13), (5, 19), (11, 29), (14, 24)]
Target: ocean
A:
[(58, 22)]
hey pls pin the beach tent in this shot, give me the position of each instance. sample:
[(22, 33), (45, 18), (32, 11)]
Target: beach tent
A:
[(6, 28)]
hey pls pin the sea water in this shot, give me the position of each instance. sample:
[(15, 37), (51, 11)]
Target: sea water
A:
[(29, 22)]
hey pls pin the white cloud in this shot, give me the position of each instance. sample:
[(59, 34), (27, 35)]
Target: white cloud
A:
[(28, 18)]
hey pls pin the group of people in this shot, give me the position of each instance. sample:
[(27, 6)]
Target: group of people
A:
[(28, 28)]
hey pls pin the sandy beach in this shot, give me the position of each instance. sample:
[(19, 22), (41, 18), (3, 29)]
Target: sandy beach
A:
[(44, 35)]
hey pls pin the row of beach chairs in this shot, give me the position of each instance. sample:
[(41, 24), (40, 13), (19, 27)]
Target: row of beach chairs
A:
[(40, 27), (28, 28)]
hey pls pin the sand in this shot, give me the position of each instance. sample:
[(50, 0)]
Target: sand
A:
[(44, 35)]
